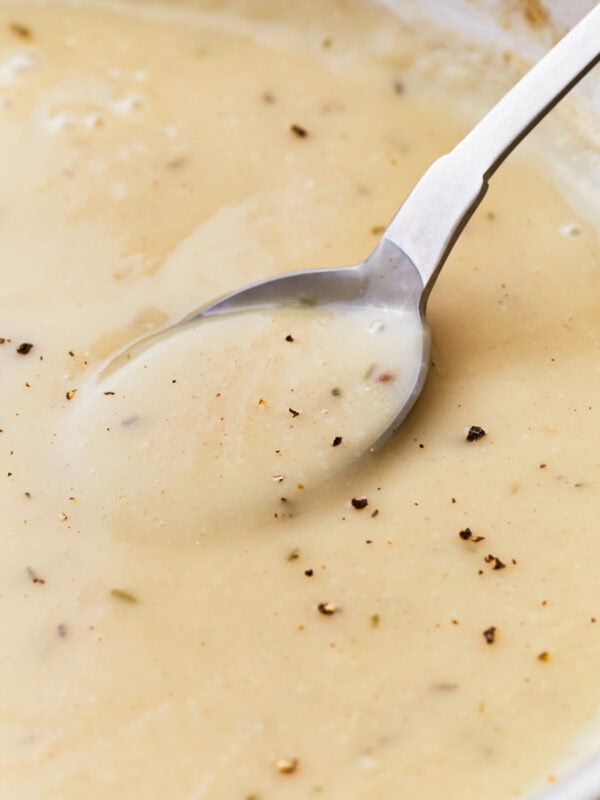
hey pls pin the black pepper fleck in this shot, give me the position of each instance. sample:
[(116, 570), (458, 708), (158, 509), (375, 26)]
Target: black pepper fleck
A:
[(498, 564), (301, 132), (359, 503), (474, 433), (24, 348), (489, 634), (467, 536)]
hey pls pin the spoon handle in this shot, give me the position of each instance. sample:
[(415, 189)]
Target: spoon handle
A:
[(436, 211)]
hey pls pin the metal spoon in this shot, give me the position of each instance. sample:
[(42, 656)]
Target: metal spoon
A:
[(401, 271)]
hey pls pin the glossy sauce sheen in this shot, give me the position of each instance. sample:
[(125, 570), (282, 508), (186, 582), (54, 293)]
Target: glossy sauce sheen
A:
[(172, 627)]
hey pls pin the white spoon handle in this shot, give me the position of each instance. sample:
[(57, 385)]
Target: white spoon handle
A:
[(436, 211)]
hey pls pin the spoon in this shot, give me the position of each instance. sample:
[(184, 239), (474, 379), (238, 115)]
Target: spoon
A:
[(400, 273)]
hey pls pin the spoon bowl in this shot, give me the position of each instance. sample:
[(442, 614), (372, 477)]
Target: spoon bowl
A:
[(387, 280)]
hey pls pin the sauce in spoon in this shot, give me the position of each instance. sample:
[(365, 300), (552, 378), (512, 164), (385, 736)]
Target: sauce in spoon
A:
[(259, 405)]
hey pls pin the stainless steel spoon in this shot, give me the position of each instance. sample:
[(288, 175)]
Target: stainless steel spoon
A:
[(401, 271)]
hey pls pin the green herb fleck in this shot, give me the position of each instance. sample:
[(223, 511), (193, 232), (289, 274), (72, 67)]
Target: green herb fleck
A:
[(123, 595)]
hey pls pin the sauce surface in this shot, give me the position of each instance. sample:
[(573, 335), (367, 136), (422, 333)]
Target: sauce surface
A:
[(421, 622)]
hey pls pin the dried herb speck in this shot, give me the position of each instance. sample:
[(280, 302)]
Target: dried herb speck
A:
[(544, 656), (375, 619), (335, 392), (70, 394), (35, 578), (24, 348), (474, 433), (327, 609), (62, 630), (293, 555), (293, 412), (299, 131), (20, 30), (359, 503), (336, 441), (287, 766)]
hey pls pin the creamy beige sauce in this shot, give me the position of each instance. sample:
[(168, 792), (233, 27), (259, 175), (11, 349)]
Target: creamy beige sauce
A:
[(170, 626)]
